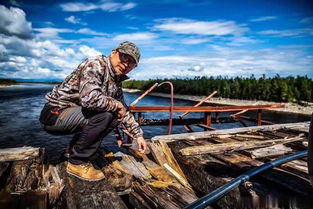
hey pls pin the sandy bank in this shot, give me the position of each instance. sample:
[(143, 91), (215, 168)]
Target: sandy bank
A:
[(290, 107)]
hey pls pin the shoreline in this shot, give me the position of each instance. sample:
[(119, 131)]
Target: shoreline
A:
[(289, 107)]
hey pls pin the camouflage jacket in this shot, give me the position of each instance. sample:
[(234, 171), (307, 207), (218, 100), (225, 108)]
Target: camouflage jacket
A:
[(94, 85)]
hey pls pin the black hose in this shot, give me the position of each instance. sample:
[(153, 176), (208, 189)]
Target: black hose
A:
[(223, 190)]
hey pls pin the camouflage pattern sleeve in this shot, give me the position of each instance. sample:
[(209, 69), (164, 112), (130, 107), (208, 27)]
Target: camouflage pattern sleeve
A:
[(128, 120), (90, 91), (131, 125)]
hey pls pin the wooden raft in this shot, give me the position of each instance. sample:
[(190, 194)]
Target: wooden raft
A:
[(211, 159), (133, 180)]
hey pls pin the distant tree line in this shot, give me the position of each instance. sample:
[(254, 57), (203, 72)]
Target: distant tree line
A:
[(5, 82), (278, 89)]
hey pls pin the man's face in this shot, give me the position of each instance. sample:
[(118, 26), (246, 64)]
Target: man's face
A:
[(122, 63)]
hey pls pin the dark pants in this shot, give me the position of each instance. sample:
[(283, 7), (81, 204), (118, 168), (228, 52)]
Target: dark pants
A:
[(310, 155), (90, 128)]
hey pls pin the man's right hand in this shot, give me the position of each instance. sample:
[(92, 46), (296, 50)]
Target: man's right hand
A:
[(121, 111)]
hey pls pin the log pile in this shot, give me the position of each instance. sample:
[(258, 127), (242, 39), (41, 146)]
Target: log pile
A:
[(211, 159), (177, 168)]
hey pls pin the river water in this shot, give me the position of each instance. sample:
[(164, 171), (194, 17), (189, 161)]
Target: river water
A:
[(20, 107)]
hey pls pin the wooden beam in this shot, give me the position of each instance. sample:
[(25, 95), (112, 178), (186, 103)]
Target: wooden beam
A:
[(20, 153), (303, 127), (235, 146)]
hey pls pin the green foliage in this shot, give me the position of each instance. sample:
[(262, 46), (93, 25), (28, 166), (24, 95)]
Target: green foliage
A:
[(5, 82), (278, 89)]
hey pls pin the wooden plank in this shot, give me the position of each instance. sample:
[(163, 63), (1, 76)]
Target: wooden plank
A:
[(271, 151), (300, 167), (235, 146), (157, 153), (134, 167), (162, 197), (198, 135), (171, 161), (179, 178), (20, 153)]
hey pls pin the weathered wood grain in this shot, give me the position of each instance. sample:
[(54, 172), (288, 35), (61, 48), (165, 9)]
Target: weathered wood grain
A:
[(303, 127), (20, 153), (235, 146)]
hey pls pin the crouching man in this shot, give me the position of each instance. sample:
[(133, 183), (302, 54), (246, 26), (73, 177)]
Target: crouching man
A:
[(90, 103)]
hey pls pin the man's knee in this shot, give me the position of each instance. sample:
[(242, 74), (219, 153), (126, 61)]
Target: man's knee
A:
[(103, 118)]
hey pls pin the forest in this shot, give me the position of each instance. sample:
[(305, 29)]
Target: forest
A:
[(7, 82), (277, 89)]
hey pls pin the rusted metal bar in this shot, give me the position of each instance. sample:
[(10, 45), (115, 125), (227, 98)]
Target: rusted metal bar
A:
[(200, 103), (202, 108), (206, 127), (184, 121), (259, 117), (188, 128), (207, 119), (171, 105), (144, 94)]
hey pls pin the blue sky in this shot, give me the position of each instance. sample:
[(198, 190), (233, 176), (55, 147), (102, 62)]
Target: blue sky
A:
[(178, 38)]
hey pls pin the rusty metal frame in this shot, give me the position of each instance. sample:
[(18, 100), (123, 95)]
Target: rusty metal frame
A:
[(207, 110)]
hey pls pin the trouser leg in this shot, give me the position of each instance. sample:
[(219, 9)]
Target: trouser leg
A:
[(99, 125), (91, 126)]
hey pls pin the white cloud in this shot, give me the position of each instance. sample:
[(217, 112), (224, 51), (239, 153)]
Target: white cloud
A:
[(90, 32), (74, 20), (51, 32), (265, 18), (54, 32), (226, 61), (286, 33), (13, 22), (189, 26), (135, 36), (88, 52), (103, 5)]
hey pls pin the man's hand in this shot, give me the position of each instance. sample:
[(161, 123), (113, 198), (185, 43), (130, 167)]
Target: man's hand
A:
[(142, 146), (121, 111)]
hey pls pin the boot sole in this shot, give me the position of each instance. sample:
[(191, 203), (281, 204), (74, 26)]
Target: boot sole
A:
[(81, 178)]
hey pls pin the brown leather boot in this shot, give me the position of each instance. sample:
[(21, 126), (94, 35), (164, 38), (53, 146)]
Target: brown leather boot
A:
[(84, 171)]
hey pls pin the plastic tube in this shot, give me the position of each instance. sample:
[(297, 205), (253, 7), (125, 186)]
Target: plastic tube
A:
[(223, 190)]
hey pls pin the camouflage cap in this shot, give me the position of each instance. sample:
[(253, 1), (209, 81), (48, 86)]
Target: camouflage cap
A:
[(130, 49)]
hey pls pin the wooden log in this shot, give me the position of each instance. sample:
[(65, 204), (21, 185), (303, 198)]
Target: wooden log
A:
[(162, 197), (3, 167), (304, 127), (29, 199), (86, 194), (271, 151), (235, 146), (20, 153), (299, 167)]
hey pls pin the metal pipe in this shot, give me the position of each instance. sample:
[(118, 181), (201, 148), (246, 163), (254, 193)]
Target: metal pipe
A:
[(171, 105), (223, 190), (144, 94), (199, 103)]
